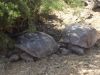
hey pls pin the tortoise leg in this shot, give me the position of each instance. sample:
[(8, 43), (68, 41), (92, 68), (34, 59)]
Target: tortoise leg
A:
[(76, 49), (14, 58), (26, 57), (64, 51)]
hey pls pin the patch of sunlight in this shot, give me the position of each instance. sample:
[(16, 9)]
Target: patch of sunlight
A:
[(97, 56), (89, 72)]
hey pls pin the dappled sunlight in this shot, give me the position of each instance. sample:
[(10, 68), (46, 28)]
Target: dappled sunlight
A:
[(72, 64), (89, 72), (46, 18), (92, 65), (97, 56)]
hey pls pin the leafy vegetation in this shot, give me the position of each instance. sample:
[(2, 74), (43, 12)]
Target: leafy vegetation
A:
[(75, 3), (49, 5), (8, 13), (14, 16), (21, 15)]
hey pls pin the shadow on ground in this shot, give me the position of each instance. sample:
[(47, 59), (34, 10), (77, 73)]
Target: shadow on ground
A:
[(88, 64), (50, 24)]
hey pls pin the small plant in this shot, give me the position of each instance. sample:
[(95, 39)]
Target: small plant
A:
[(75, 3), (8, 12), (15, 15), (49, 5)]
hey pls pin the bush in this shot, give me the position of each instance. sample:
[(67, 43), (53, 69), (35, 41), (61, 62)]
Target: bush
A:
[(75, 3), (14, 16), (49, 5), (10, 10)]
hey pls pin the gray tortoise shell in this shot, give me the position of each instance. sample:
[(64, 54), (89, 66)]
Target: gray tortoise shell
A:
[(37, 44), (80, 35)]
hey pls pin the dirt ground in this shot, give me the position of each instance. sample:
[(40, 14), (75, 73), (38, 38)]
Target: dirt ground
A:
[(88, 64)]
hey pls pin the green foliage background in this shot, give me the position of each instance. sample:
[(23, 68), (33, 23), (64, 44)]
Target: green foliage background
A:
[(10, 12), (49, 5), (75, 3), (17, 13)]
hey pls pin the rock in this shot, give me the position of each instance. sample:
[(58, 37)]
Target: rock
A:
[(92, 4)]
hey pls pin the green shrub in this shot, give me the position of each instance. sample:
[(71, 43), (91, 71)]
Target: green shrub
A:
[(12, 9), (49, 5), (10, 13), (75, 3)]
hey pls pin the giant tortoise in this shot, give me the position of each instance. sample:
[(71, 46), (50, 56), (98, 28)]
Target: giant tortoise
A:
[(36, 45), (78, 37)]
